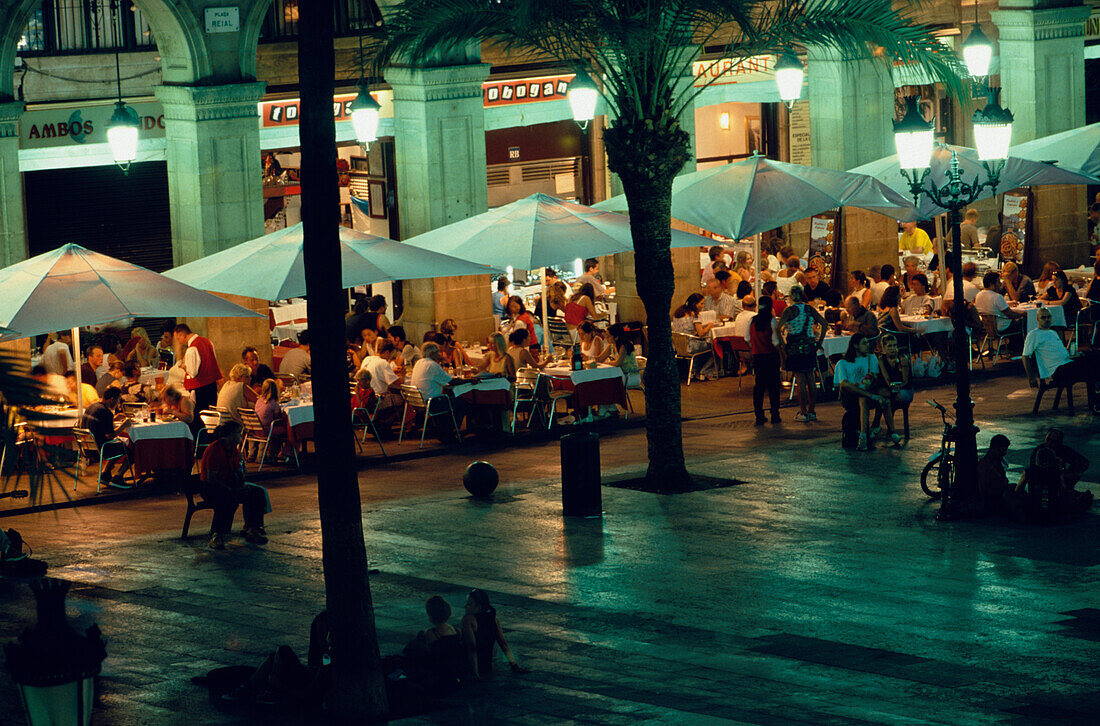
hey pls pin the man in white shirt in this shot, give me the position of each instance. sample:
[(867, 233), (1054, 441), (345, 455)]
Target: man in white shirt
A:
[(591, 269), (741, 322), (970, 290), (1053, 362), (991, 302), (429, 378), (297, 361), (716, 300), (383, 379), (886, 279), (57, 359)]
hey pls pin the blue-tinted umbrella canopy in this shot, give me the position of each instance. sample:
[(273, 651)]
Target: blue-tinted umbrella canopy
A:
[(1016, 173), (272, 267), (1076, 149), (756, 194), (539, 231), (71, 286)]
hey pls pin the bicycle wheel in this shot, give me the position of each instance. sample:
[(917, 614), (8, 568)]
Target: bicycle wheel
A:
[(930, 478)]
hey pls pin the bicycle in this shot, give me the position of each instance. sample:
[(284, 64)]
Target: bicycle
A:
[(939, 472)]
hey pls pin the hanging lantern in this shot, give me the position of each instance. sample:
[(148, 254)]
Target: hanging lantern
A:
[(364, 117), (914, 138), (583, 96), (122, 135), (788, 76)]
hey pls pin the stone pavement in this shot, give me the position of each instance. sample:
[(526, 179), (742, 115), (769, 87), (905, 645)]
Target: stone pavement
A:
[(821, 590)]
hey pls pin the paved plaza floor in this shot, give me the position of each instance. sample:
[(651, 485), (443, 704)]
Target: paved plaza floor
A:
[(820, 590)]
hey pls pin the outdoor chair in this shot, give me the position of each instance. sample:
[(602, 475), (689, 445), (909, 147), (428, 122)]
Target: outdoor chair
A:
[(254, 433), (1045, 386), (432, 408), (211, 419), (525, 395), (549, 397), (560, 334), (190, 490), (364, 418), (681, 344), (85, 444), (742, 351), (993, 335)]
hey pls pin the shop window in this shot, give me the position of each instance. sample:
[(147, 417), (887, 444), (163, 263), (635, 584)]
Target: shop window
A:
[(281, 22), (59, 27)]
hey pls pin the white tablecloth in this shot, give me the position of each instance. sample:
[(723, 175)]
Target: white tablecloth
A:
[(835, 344), (722, 331), (150, 375), (488, 384), (67, 418), (1057, 316), (299, 413), (586, 375), (289, 331), (160, 430), (928, 325)]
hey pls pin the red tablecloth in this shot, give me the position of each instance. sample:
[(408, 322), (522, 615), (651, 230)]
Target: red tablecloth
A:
[(153, 455), (604, 391)]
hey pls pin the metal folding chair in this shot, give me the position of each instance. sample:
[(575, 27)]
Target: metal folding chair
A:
[(416, 401)]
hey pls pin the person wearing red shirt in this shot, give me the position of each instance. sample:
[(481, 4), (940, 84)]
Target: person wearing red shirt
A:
[(223, 485), (201, 367)]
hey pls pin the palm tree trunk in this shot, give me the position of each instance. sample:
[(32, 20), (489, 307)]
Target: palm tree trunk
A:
[(358, 688), (647, 158)]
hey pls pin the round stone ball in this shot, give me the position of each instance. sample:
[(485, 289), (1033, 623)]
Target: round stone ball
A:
[(480, 479)]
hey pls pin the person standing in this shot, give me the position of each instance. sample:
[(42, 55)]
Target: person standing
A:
[(200, 366), (801, 344), (500, 299), (968, 230), (57, 358), (590, 277), (763, 338)]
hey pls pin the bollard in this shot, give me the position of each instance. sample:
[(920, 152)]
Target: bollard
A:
[(580, 475)]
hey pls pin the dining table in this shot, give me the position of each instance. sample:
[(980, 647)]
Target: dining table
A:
[(599, 386), (1057, 315), (485, 391), (160, 446), (299, 420)]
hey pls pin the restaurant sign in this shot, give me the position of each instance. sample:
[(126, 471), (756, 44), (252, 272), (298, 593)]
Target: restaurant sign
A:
[(525, 90), (730, 70), (52, 127), (286, 112)]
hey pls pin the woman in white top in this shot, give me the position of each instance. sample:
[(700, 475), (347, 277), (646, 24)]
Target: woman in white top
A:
[(592, 344), (860, 288), (858, 378), (686, 321)]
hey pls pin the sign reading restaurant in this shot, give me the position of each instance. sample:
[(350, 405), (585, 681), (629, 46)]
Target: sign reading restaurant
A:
[(730, 70)]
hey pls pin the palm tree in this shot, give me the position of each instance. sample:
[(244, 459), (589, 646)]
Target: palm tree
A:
[(643, 51)]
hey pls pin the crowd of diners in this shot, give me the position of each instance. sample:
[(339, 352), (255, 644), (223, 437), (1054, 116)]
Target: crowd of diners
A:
[(784, 332)]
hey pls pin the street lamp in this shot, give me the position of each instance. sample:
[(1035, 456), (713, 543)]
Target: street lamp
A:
[(583, 95), (913, 137), (977, 50), (364, 117), (788, 76), (122, 129)]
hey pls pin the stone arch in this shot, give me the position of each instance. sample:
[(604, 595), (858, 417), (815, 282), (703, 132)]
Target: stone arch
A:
[(176, 28)]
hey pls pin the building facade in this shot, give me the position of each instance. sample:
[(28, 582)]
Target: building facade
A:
[(215, 85)]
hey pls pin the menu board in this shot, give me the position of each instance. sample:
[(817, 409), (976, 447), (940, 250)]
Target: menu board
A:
[(1014, 218), (824, 233)]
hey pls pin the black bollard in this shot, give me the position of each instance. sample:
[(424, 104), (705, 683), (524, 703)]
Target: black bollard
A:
[(581, 495)]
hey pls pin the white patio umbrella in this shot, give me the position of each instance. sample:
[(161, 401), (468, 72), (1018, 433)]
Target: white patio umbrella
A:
[(1017, 172), (1076, 149), (754, 195), (272, 268), (71, 286), (536, 232)]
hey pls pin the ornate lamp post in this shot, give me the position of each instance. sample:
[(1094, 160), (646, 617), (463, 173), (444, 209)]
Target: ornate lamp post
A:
[(914, 138), (583, 95)]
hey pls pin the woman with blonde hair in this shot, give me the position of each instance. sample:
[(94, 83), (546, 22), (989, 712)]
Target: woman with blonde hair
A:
[(498, 360), (232, 395), (140, 349)]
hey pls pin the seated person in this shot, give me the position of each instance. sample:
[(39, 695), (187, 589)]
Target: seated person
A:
[(296, 361), (283, 679), (722, 305), (132, 389), (623, 356), (918, 302), (1018, 287), (481, 632), (498, 361), (260, 371), (858, 319), (407, 353), (685, 321), (1071, 463), (99, 418), (271, 418), (857, 378), (1093, 292), (231, 397), (521, 352), (1041, 496), (430, 379), (1052, 361), (991, 302), (436, 657), (222, 485), (87, 391), (385, 382), (815, 288), (113, 378), (592, 343), (175, 404), (992, 482), (1061, 293)]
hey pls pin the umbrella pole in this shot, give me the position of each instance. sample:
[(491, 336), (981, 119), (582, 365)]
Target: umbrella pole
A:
[(545, 317), (756, 267), (79, 387)]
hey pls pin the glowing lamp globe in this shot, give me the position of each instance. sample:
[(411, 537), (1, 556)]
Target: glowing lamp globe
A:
[(122, 134), (914, 138), (993, 129), (788, 77), (977, 51), (583, 95), (364, 117)]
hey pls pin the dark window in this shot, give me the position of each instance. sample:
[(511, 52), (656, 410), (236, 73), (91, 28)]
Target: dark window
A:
[(281, 22), (59, 27)]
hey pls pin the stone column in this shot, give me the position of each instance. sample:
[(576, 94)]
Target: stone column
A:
[(439, 136), (1043, 77), (215, 191), (13, 228), (851, 110)]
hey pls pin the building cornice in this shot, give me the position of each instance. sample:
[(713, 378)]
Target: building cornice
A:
[(210, 103), (444, 83), (1044, 24)]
